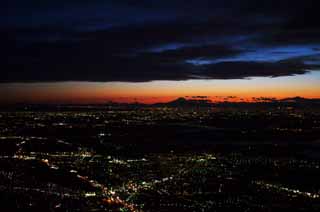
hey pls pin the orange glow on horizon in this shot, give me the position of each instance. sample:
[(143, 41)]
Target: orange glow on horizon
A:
[(100, 96), (307, 86)]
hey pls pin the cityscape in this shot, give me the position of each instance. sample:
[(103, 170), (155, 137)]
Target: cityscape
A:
[(160, 106), (187, 157)]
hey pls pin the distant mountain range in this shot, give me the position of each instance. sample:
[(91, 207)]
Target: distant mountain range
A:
[(294, 102), (183, 102), (300, 100), (297, 102)]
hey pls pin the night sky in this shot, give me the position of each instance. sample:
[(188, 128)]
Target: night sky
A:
[(80, 51)]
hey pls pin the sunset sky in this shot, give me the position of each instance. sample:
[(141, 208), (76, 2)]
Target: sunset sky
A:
[(155, 51)]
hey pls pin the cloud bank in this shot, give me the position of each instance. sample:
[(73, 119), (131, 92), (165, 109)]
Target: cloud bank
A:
[(138, 41)]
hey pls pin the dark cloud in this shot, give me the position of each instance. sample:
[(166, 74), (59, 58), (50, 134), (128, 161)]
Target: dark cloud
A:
[(240, 70), (185, 53), (116, 40), (199, 97), (264, 99)]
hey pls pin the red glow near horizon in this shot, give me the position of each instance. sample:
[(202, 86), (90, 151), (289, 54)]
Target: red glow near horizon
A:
[(307, 86)]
